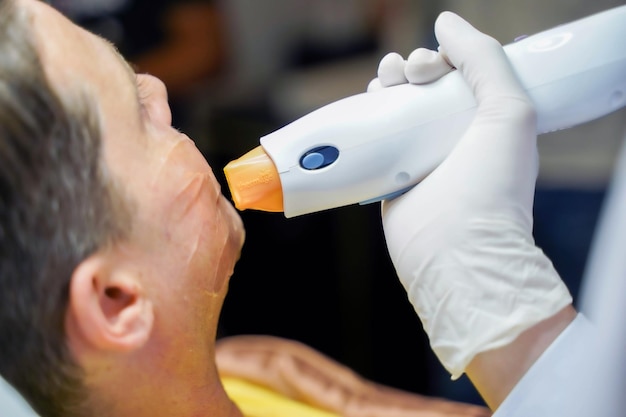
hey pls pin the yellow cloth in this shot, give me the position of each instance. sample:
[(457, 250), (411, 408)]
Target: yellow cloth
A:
[(257, 401)]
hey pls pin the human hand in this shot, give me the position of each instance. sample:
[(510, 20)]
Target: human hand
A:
[(461, 240), (297, 373)]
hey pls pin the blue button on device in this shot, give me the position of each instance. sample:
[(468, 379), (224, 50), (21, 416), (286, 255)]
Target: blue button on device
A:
[(319, 157)]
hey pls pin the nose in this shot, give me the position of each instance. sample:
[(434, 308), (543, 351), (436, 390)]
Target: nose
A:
[(156, 100)]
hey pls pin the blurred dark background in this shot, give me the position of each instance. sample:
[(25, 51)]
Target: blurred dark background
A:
[(239, 69)]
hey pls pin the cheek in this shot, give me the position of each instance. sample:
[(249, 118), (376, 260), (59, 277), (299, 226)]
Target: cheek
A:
[(199, 233), (231, 240), (194, 243)]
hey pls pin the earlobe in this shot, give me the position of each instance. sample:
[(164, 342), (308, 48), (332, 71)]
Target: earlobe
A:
[(108, 309)]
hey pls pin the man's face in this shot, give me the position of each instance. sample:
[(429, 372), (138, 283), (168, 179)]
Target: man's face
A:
[(186, 236)]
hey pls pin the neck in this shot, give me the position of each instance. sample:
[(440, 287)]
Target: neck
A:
[(137, 386), (149, 395)]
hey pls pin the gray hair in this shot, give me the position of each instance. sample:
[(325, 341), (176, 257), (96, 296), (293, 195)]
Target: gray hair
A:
[(57, 206)]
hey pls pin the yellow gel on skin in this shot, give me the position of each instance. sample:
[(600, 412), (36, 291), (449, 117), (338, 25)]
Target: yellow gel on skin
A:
[(254, 182)]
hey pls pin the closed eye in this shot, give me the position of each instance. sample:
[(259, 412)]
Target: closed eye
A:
[(143, 91), (152, 99)]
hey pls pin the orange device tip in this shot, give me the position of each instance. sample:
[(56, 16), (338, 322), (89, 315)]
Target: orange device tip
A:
[(254, 182)]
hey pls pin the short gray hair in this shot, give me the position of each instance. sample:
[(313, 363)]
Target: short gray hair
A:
[(57, 206)]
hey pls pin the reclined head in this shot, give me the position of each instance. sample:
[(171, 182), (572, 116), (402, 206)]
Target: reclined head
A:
[(108, 217), (56, 207)]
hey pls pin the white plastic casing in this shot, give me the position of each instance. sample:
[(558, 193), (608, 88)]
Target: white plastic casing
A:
[(389, 140)]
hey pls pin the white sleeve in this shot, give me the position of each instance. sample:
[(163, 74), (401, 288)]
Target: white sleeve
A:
[(583, 373), (550, 386)]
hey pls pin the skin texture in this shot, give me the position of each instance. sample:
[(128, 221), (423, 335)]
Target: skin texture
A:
[(143, 314), (299, 372), (495, 372)]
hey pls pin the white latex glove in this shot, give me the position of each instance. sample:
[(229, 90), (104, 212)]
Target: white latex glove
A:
[(461, 240), (422, 66)]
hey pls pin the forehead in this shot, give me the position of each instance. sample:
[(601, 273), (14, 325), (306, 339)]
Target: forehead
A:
[(77, 61), (66, 50)]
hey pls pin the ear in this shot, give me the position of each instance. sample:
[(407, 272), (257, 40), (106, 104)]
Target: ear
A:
[(108, 309)]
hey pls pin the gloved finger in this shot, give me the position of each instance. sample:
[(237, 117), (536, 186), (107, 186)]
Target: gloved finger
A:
[(425, 66), (502, 135), (391, 70), (474, 53), (374, 85)]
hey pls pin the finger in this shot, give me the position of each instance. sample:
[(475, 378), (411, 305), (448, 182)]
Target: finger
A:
[(504, 108), (480, 57), (391, 70), (374, 85), (425, 66)]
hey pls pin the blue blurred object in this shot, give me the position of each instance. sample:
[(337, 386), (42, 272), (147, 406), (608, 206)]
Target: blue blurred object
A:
[(565, 220)]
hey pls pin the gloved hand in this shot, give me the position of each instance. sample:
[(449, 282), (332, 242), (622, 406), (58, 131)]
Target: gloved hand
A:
[(461, 240), (423, 66)]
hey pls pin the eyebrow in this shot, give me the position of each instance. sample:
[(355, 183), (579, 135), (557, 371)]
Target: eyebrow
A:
[(130, 71)]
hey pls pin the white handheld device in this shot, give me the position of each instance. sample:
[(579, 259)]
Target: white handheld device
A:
[(372, 146)]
